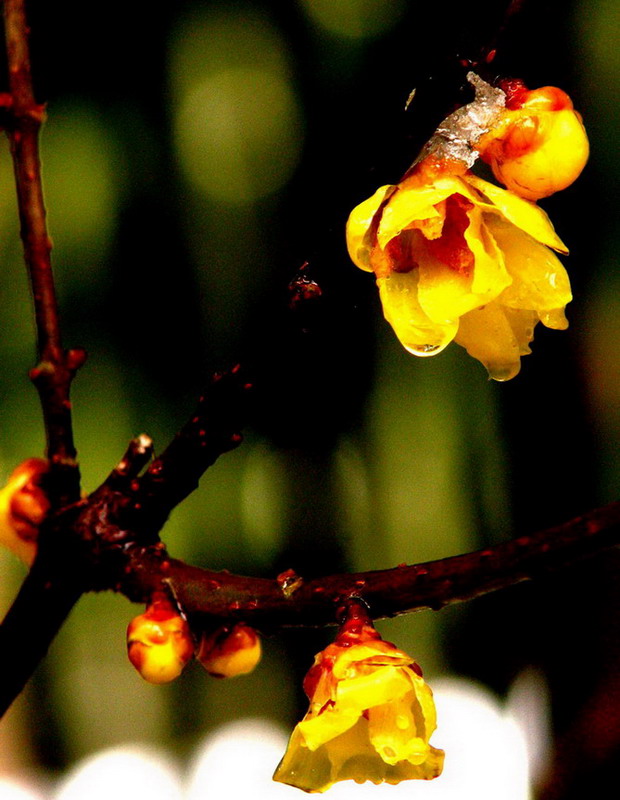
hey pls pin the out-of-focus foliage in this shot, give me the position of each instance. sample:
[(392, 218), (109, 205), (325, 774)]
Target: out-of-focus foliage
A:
[(196, 155)]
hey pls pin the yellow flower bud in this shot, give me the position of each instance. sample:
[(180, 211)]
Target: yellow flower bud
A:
[(539, 145), (228, 652), (23, 506), (159, 642)]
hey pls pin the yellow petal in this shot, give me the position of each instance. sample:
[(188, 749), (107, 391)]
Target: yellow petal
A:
[(350, 756), (380, 685), (379, 653), (415, 330), (355, 758), (554, 318), (393, 734), (306, 769), (423, 708), (413, 202), (522, 321), (322, 728), (487, 335), (540, 281), (359, 223), (445, 294), (490, 276), (410, 203), (525, 215)]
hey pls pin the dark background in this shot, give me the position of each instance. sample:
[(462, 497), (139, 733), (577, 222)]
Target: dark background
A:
[(197, 154)]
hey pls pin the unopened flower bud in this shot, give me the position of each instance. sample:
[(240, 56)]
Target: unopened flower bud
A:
[(229, 651), (23, 506), (539, 145), (159, 642)]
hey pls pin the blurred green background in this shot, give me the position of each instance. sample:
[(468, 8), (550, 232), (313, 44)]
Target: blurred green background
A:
[(195, 156)]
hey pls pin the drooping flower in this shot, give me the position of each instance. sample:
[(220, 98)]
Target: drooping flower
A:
[(538, 144), (458, 258), (371, 717), (229, 651), (159, 642), (23, 506)]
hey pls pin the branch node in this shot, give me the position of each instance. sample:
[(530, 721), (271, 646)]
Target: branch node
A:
[(139, 452)]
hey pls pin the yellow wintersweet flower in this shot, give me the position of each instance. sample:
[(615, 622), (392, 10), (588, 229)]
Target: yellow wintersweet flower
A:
[(23, 506), (538, 144), (371, 717), (458, 258), (159, 642)]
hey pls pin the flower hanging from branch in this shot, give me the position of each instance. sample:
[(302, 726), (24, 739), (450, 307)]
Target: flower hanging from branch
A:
[(459, 258), (229, 650), (371, 715), (159, 642)]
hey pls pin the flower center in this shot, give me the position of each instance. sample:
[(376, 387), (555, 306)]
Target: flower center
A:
[(451, 247)]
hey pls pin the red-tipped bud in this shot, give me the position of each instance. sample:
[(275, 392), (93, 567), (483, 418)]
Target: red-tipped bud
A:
[(539, 145), (23, 506), (159, 642), (229, 651)]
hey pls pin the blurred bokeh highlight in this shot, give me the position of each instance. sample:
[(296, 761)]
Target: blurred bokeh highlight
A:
[(196, 155)]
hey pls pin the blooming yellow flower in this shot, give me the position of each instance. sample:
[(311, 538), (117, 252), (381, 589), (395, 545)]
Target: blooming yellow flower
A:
[(159, 642), (538, 144), (458, 258), (371, 717), (23, 506)]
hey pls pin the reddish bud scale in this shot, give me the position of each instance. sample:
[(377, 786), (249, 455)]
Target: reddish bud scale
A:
[(515, 91)]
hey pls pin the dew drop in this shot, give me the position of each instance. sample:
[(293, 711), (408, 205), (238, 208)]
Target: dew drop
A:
[(423, 349)]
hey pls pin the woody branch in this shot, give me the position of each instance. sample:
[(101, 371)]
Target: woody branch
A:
[(56, 368), (110, 540)]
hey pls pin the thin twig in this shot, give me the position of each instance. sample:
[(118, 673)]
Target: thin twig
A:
[(56, 368), (213, 429)]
